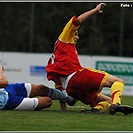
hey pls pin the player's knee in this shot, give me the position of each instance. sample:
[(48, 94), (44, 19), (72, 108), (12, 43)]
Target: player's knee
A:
[(119, 80), (112, 79), (48, 103), (43, 102)]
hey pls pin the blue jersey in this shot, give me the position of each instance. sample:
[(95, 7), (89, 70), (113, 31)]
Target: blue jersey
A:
[(16, 93)]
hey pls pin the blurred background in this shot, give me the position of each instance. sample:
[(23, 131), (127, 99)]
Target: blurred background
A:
[(34, 27)]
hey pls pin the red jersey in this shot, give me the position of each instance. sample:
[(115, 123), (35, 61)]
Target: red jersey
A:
[(64, 59)]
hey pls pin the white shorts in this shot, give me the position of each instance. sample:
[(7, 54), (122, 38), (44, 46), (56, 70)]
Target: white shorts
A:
[(28, 103), (64, 81)]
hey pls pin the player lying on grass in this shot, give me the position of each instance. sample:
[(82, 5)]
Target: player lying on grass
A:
[(84, 84), (26, 96)]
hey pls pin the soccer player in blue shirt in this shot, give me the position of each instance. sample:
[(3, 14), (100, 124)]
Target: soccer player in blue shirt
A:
[(27, 96)]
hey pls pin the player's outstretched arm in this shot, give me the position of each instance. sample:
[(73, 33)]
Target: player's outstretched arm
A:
[(3, 79), (62, 105), (97, 9)]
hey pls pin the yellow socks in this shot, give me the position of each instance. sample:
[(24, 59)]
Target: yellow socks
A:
[(102, 106), (116, 92)]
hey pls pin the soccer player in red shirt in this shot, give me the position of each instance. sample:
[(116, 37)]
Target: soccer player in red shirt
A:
[(84, 84)]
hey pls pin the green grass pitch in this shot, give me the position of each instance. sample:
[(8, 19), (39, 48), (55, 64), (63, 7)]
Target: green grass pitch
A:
[(53, 119)]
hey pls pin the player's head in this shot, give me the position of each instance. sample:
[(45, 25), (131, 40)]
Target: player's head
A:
[(76, 37)]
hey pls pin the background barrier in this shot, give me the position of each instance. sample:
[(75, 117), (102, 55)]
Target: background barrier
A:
[(27, 67)]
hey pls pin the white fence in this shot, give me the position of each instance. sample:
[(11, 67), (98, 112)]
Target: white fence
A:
[(27, 67)]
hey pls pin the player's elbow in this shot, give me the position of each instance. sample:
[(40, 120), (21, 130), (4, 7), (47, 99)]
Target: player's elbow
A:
[(6, 82), (3, 82)]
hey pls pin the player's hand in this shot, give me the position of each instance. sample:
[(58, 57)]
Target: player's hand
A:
[(99, 7)]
